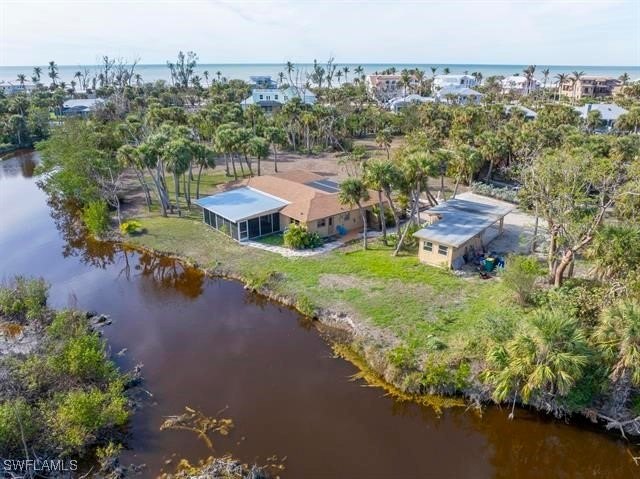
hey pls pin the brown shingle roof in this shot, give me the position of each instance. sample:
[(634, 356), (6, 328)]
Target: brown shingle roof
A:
[(306, 203)]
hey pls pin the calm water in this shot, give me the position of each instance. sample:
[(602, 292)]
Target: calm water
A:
[(209, 344), (244, 71)]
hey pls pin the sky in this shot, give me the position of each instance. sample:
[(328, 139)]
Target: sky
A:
[(551, 32)]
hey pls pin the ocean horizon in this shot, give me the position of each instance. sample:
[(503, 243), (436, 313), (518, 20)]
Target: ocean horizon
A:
[(242, 71)]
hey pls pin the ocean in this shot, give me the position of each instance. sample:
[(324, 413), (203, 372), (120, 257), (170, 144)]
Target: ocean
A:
[(151, 73)]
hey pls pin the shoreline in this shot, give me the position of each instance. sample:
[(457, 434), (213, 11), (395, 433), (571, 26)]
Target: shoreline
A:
[(359, 348)]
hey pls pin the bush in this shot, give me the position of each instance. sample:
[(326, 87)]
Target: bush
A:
[(520, 275), (298, 237), (410, 242), (16, 421), (23, 299), (498, 192), (79, 416), (84, 357), (130, 227), (96, 217)]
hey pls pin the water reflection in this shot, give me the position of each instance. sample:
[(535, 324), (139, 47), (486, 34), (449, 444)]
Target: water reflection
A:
[(209, 343), (21, 163)]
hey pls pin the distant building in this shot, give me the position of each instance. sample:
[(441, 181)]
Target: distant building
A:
[(9, 88), (272, 99), (519, 85), (590, 86), (263, 81), (459, 96), (454, 81), (81, 107), (528, 114), (386, 87), (397, 104), (609, 113)]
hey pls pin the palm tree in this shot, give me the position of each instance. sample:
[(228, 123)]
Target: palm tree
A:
[(219, 75), (464, 163), (339, 76), (433, 72), (205, 158), (21, 78), (280, 79), (545, 76), (205, 74), (345, 70), (37, 72), (53, 72), (624, 78), (576, 76), (78, 75), (377, 177), (276, 136), (544, 360), (618, 338), (352, 193), (562, 77), (138, 79), (446, 70), (529, 75), (384, 139), (359, 70)]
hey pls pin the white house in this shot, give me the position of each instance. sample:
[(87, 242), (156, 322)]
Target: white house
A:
[(9, 88), (528, 113), (519, 85), (454, 81), (272, 99), (609, 112), (398, 103), (458, 95), (81, 106)]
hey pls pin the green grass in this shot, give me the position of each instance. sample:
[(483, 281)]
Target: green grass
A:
[(419, 304), (272, 240)]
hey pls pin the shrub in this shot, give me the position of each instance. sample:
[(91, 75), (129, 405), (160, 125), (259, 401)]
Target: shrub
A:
[(410, 242), (130, 227), (84, 357), (24, 299), (298, 237), (78, 416), (17, 420), (96, 217), (520, 275), (498, 192)]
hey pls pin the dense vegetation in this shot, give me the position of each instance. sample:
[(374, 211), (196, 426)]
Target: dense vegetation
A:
[(543, 335), (62, 396)]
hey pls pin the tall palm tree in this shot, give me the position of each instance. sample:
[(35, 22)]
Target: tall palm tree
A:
[(359, 71), (37, 72), (433, 72), (21, 78), (446, 70), (624, 78), (575, 77), (78, 75), (562, 78), (529, 73), (352, 193), (205, 74), (289, 67), (345, 70), (376, 177), (219, 75), (53, 72), (339, 76)]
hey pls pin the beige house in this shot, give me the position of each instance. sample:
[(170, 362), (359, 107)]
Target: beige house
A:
[(460, 228), (386, 87), (589, 86), (263, 205)]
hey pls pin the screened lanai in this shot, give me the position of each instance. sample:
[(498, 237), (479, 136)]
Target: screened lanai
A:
[(242, 213)]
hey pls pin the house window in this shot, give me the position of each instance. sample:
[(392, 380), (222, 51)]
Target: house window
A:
[(286, 98), (443, 250), (322, 223), (268, 97), (346, 216), (427, 246), (294, 221), (276, 97), (261, 97)]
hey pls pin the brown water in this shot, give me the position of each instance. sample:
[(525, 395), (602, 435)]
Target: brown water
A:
[(209, 344)]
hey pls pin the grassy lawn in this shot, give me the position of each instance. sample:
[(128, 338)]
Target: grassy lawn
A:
[(273, 240), (428, 309)]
